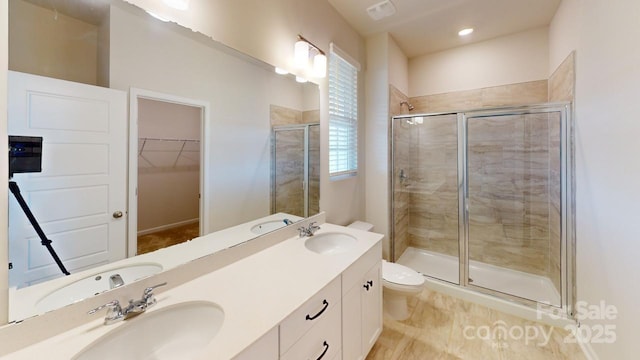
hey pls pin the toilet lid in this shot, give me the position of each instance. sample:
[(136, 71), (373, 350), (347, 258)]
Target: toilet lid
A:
[(400, 274)]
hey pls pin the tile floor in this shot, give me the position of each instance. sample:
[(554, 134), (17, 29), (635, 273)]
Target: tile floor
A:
[(438, 324), (161, 239)]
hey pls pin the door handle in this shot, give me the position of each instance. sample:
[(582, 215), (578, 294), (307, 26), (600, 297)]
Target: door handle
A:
[(117, 214)]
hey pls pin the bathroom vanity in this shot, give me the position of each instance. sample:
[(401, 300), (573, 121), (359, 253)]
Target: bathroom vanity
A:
[(288, 301)]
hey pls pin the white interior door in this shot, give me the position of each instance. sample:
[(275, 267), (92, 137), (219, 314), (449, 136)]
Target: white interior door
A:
[(82, 187)]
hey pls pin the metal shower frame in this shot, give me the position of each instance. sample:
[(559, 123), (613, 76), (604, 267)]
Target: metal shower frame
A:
[(567, 195)]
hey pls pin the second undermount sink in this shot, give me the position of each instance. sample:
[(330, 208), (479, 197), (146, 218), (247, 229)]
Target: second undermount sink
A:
[(95, 284), (267, 226), (178, 331), (330, 243)]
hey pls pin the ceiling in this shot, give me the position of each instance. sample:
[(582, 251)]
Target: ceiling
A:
[(425, 26)]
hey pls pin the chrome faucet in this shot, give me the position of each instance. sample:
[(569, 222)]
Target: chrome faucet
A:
[(116, 313), (308, 231), (115, 281)]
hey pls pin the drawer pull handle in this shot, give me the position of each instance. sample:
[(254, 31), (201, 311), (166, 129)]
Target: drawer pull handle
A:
[(368, 284), (326, 305), (326, 348)]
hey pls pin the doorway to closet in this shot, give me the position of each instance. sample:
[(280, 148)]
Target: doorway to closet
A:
[(169, 173)]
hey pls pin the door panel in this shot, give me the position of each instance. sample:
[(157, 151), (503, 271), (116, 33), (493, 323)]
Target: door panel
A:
[(83, 178)]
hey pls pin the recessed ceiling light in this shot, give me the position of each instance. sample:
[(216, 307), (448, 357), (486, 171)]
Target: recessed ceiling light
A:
[(465, 32)]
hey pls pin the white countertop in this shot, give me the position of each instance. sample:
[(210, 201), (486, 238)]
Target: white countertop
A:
[(256, 294), (23, 302)]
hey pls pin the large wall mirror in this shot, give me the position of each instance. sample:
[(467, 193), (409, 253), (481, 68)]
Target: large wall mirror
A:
[(177, 137)]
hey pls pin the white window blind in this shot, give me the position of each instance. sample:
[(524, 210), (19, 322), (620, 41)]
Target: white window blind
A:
[(343, 115)]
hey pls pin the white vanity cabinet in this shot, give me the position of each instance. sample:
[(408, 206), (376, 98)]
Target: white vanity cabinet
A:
[(361, 305), (313, 330)]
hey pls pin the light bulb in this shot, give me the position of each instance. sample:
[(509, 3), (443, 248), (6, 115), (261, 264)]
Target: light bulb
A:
[(300, 79), (320, 65), (281, 71), (301, 54)]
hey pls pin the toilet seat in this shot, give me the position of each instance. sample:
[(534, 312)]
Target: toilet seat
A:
[(396, 274)]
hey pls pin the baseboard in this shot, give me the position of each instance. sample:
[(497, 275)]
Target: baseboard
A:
[(167, 227)]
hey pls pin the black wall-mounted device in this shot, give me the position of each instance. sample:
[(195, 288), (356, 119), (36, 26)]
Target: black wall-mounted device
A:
[(25, 154)]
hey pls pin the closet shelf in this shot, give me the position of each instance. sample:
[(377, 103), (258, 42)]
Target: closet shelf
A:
[(166, 146)]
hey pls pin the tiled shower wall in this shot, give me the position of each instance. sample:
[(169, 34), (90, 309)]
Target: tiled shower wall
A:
[(521, 232), (510, 191), (289, 194)]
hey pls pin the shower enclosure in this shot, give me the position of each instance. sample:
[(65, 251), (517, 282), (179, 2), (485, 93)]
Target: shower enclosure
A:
[(482, 199), (295, 169)]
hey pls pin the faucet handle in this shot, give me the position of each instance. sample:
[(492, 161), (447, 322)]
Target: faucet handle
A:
[(149, 290), (113, 305), (113, 314), (147, 295)]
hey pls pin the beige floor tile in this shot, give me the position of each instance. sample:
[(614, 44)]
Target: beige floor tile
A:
[(442, 327)]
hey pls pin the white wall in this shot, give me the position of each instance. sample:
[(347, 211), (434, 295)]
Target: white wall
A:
[(4, 167), (239, 92), (607, 171), (377, 143), (516, 58), (398, 67), (267, 30)]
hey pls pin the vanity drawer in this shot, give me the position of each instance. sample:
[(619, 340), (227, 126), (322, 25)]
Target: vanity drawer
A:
[(353, 275), (323, 341), (310, 313)]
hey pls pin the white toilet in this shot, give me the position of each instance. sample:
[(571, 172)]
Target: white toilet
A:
[(399, 282)]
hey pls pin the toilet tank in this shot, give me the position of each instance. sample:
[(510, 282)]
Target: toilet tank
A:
[(361, 225)]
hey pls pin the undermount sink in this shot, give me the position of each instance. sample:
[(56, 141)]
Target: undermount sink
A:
[(330, 243), (94, 284), (267, 226), (178, 331)]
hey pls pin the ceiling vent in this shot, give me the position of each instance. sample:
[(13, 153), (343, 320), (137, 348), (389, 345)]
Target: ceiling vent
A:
[(381, 10)]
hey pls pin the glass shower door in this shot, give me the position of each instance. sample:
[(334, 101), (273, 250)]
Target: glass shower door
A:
[(295, 184), (514, 203), (425, 195)]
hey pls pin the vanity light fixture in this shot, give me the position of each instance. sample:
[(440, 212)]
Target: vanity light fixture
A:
[(303, 48), (178, 4), (465, 32)]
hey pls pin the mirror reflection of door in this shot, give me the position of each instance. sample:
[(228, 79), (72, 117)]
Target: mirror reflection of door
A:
[(169, 137)]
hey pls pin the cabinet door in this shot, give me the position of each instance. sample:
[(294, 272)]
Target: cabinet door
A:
[(371, 308), (352, 324)]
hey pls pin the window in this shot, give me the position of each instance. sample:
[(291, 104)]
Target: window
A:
[(343, 114)]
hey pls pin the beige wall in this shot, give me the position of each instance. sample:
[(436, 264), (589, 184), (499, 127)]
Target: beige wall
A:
[(517, 58), (604, 36), (52, 44)]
